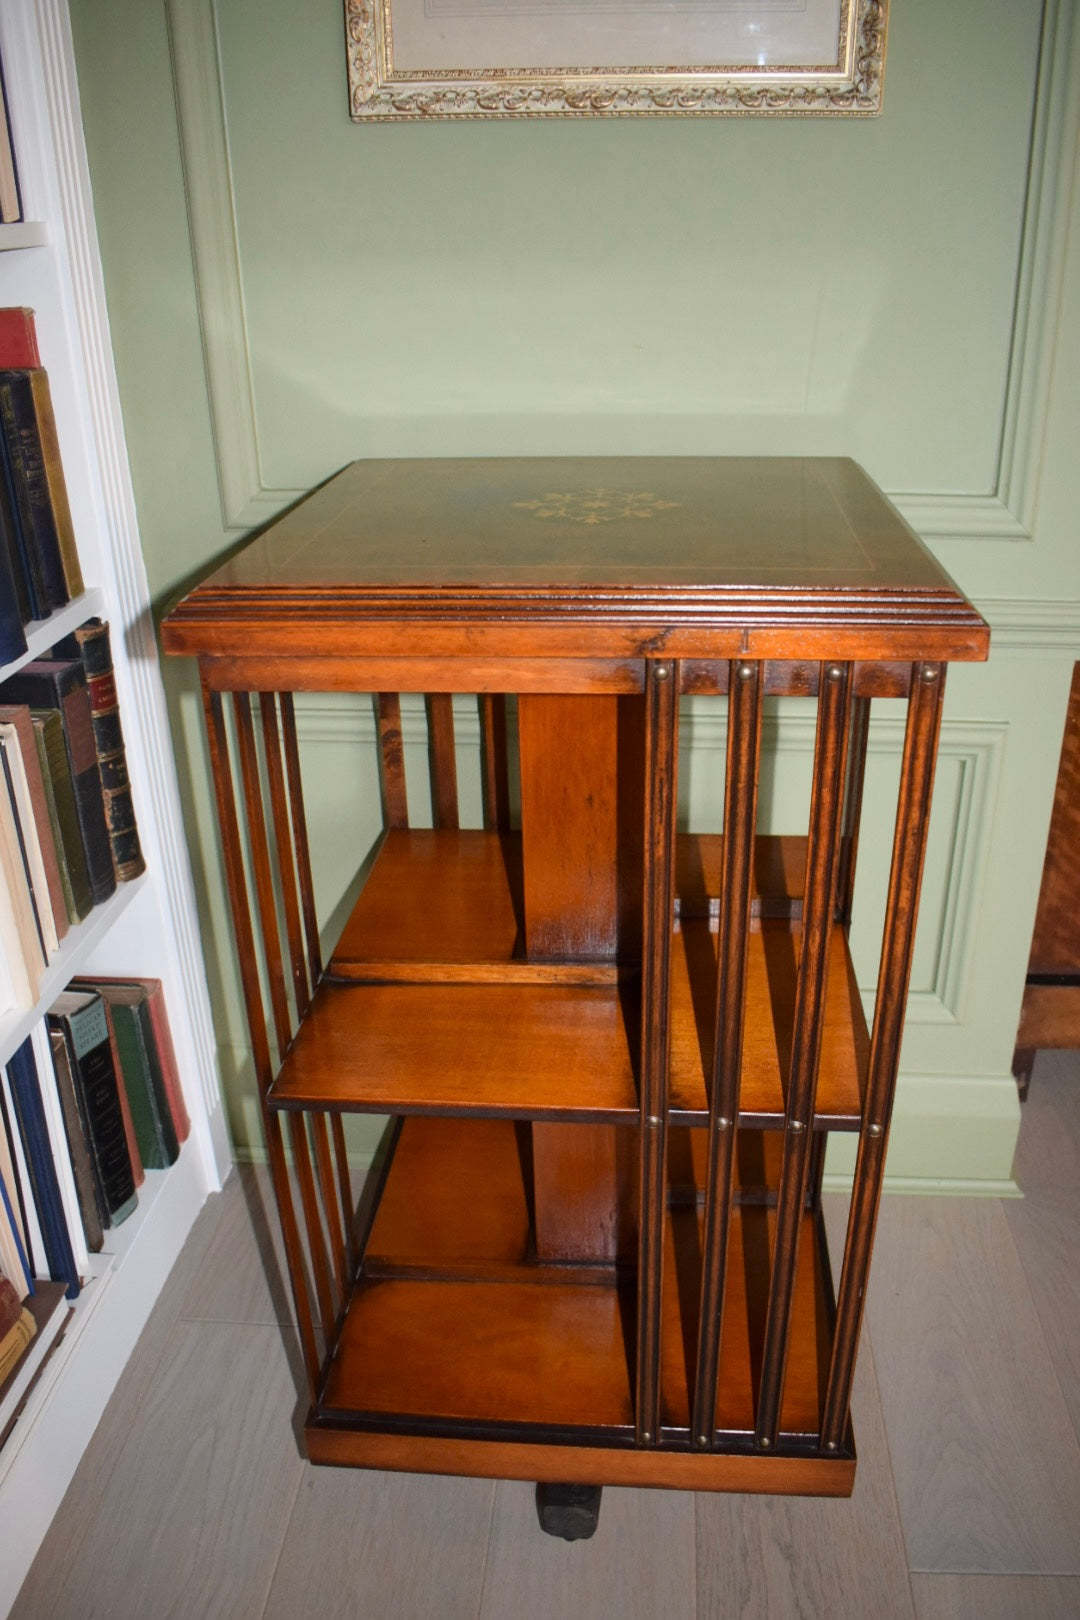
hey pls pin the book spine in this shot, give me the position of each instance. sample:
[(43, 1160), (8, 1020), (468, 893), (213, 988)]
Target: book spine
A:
[(18, 418), (12, 633), (75, 1129), (47, 835), (18, 338), (170, 1071), (11, 547), (86, 1033), (56, 483), (22, 1072), (138, 1169), (60, 797), (20, 525), (95, 650)]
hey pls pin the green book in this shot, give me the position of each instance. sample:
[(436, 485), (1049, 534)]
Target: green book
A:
[(63, 812)]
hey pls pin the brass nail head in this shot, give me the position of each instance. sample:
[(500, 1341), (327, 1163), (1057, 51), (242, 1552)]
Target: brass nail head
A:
[(873, 1130), (765, 1442), (830, 1445), (661, 672), (796, 1127), (835, 672), (746, 671), (723, 1124), (930, 672)]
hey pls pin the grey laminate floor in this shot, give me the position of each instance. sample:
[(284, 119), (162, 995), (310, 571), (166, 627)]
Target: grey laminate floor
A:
[(193, 1499)]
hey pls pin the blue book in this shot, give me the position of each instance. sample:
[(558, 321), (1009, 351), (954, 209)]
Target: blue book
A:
[(26, 1095), (16, 1235)]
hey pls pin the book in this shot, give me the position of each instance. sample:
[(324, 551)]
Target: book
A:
[(18, 338), (50, 683), (35, 477), (13, 1261), (63, 812), (138, 1172), (11, 547), (45, 1186), (10, 200), (17, 782), (79, 1016), (12, 632), (18, 717), (19, 936), (75, 1128), (15, 1342), (55, 481), (142, 1072), (9, 1179), (91, 643), (51, 1319), (10, 1304), (30, 1226)]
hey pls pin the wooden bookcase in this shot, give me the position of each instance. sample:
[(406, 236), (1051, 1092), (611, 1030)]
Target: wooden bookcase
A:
[(591, 1249), (51, 265)]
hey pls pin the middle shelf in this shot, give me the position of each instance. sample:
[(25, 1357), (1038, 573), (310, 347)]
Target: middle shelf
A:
[(429, 1005)]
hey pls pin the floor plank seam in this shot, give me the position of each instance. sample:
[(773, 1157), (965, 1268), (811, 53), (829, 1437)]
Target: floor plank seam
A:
[(482, 1592), (281, 1548)]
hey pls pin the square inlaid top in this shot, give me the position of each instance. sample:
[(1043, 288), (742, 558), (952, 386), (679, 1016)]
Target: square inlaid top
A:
[(603, 557)]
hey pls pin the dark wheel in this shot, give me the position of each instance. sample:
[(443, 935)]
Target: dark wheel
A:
[(569, 1511)]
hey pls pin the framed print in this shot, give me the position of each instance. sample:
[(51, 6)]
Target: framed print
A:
[(614, 58)]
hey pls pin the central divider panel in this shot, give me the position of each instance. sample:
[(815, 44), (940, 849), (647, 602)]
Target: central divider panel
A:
[(582, 807)]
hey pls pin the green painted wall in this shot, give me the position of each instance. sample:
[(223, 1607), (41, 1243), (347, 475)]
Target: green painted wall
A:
[(289, 291)]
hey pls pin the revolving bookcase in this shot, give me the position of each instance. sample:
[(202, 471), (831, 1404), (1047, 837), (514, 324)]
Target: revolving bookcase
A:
[(590, 1249)]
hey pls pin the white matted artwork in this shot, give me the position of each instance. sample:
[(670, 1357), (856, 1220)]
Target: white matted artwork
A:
[(582, 58)]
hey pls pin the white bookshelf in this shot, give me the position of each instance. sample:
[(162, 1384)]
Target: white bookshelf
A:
[(150, 925)]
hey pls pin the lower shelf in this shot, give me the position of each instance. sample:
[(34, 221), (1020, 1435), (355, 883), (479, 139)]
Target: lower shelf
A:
[(458, 1352)]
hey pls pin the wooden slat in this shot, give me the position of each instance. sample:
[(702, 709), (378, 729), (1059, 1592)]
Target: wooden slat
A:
[(336, 1229), (740, 816), (300, 838), (316, 1238), (442, 760), (898, 942), (661, 779), (856, 775), (494, 764), (264, 881), (391, 759), (826, 808), (288, 886), (232, 849)]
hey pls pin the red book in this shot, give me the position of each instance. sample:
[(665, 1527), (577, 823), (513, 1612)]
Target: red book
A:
[(18, 339)]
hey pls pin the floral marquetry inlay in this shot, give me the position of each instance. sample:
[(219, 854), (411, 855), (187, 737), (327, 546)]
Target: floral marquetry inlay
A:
[(596, 505)]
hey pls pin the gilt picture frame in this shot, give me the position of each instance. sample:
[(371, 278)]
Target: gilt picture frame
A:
[(424, 59)]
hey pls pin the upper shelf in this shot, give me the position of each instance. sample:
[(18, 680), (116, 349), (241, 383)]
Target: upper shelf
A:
[(427, 1009)]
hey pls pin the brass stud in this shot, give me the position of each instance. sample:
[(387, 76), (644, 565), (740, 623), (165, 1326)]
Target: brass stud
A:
[(653, 1121), (765, 1442), (930, 672), (723, 1124), (873, 1130), (646, 1437), (796, 1127), (835, 672), (746, 672), (661, 671), (830, 1445), (702, 1439)]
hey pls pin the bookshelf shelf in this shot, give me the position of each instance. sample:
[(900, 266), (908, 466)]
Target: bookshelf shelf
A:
[(26, 234), (148, 926), (41, 634)]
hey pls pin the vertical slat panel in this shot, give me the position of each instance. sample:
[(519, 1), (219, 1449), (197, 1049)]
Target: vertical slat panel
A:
[(740, 815), (661, 781), (494, 765), (300, 837), (442, 761), (245, 940), (856, 776), (826, 807), (898, 941), (391, 759), (287, 879), (320, 1268), (260, 863), (344, 1180)]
